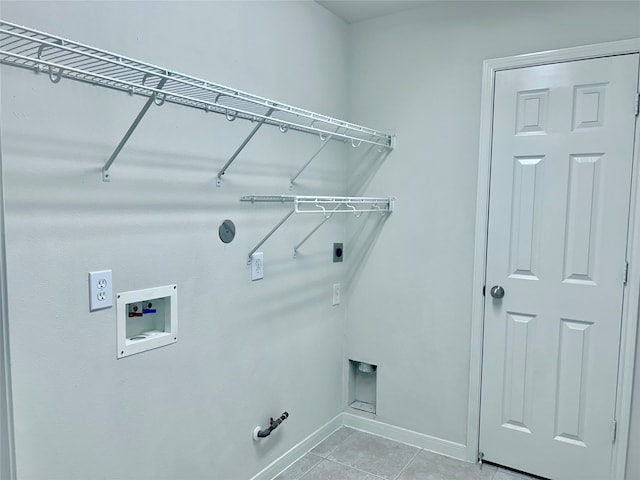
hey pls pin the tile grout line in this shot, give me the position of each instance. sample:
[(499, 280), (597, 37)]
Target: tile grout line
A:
[(314, 466), (408, 463), (370, 473), (323, 458), (336, 447), (358, 469), (509, 474), (373, 474)]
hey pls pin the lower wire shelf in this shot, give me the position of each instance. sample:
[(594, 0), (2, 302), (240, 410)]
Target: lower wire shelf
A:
[(325, 205)]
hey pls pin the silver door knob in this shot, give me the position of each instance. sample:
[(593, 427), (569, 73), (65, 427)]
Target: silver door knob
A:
[(497, 291)]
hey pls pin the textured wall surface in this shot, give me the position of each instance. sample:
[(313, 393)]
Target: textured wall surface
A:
[(246, 351), (418, 73)]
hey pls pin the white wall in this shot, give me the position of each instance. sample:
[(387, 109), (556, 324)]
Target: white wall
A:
[(246, 351), (418, 73), (249, 350), (6, 436)]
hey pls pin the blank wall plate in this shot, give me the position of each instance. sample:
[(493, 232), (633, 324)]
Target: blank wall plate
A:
[(100, 290), (257, 270), (336, 294)]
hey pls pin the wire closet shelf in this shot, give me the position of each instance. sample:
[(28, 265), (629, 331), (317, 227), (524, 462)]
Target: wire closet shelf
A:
[(326, 205), (61, 58)]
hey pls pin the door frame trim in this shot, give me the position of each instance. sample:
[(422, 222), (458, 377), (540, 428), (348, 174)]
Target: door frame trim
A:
[(631, 306)]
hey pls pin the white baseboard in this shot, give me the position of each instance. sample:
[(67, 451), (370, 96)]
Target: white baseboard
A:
[(433, 444), (299, 450)]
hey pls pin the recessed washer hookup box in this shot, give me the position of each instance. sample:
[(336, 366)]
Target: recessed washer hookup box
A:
[(147, 319)]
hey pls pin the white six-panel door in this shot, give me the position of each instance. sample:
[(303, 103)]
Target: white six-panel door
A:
[(562, 150)]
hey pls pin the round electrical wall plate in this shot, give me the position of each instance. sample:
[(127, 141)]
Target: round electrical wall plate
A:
[(227, 231)]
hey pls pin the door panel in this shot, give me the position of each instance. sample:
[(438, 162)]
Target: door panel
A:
[(526, 227), (562, 154), (518, 385)]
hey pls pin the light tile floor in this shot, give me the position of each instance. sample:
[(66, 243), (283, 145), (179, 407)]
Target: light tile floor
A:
[(349, 454)]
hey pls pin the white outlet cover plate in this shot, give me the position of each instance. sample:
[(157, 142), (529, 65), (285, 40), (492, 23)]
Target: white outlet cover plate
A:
[(257, 266), (100, 290)]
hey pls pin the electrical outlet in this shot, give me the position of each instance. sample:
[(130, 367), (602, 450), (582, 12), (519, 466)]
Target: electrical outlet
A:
[(336, 294), (338, 252), (100, 290), (257, 270)]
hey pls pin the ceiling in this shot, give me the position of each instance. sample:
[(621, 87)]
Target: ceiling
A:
[(352, 11)]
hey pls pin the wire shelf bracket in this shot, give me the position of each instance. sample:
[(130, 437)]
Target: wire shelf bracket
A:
[(106, 174), (303, 241), (241, 147), (325, 142), (326, 205), (59, 58)]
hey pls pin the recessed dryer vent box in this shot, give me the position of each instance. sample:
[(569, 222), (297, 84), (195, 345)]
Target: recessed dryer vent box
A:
[(147, 319), (362, 385)]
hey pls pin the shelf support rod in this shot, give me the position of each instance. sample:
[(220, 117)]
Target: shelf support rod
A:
[(255, 249), (294, 177), (241, 147), (326, 219), (105, 170)]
